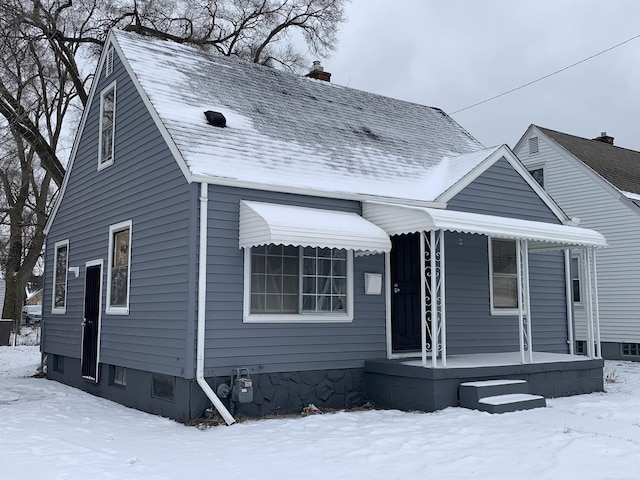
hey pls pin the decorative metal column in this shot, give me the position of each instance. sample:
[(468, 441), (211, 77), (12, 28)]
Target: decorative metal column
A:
[(433, 305), (524, 301)]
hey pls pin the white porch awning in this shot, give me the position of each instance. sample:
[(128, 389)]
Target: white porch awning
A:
[(399, 219), (268, 223)]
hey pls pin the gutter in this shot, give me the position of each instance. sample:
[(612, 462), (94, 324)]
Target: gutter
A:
[(202, 298)]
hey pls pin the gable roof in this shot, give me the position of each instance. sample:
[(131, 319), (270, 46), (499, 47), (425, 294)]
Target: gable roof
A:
[(619, 166), (291, 133)]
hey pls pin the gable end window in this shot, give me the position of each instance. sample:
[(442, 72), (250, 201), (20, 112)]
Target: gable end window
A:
[(119, 273), (533, 145), (286, 283), (106, 141), (60, 270), (538, 175), (504, 276)]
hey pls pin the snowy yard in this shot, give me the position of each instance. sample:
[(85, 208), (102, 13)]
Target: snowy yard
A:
[(48, 430)]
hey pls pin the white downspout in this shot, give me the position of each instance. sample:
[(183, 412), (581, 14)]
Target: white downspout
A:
[(202, 298)]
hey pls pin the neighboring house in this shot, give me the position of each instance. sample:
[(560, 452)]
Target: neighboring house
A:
[(598, 183), (296, 235)]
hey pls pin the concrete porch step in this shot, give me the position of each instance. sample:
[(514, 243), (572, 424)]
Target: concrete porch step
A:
[(498, 396), (511, 402)]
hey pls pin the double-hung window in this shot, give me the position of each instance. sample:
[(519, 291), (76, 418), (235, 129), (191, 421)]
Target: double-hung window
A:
[(61, 267), (575, 280), (298, 284), (119, 273), (106, 142), (504, 276)]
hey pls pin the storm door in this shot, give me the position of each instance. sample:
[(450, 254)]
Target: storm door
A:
[(91, 320), (405, 293)]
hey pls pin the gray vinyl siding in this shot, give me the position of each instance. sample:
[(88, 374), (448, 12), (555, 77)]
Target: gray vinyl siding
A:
[(500, 190), (280, 347), (146, 186), (583, 194), (471, 328)]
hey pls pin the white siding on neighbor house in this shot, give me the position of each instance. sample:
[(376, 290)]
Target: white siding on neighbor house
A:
[(581, 194)]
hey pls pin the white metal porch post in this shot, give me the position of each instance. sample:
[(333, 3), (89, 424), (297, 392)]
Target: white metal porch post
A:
[(524, 302), (443, 317), (433, 294), (585, 270), (423, 292), (596, 309)]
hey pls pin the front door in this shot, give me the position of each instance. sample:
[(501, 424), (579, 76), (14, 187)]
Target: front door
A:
[(91, 321), (405, 293)]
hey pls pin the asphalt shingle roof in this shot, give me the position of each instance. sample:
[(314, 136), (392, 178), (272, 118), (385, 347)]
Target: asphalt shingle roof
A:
[(291, 131), (619, 166)]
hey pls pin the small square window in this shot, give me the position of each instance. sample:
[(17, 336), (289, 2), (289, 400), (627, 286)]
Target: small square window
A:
[(58, 364), (162, 387), (631, 349), (118, 375)]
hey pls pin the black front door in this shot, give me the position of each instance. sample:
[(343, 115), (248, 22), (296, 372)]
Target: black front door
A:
[(91, 322), (405, 293)]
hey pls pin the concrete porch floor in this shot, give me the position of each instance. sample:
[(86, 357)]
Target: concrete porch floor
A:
[(406, 385)]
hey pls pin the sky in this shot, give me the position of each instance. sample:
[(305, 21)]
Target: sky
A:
[(453, 54), (50, 430)]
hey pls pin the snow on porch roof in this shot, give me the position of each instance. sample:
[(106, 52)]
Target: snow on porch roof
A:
[(286, 132), (396, 219), (268, 223)]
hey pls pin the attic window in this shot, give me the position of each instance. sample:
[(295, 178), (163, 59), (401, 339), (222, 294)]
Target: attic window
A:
[(533, 145), (216, 119), (109, 67)]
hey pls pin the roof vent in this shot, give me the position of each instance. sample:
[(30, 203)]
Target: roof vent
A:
[(215, 118)]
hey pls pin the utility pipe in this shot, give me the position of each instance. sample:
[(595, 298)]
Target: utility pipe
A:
[(202, 298)]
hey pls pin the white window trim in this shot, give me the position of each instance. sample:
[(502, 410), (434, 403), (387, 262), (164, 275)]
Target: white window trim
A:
[(105, 91), (54, 309), (497, 310), (113, 229), (328, 317), (577, 304)]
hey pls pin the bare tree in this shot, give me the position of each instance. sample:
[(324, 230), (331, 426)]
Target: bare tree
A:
[(43, 45)]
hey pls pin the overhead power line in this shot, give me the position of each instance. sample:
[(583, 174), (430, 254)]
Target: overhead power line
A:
[(546, 76)]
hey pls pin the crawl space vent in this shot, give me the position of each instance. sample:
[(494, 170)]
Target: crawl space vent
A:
[(216, 119)]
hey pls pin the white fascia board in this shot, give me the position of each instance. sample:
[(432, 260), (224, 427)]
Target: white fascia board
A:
[(524, 137), (232, 182), (500, 152)]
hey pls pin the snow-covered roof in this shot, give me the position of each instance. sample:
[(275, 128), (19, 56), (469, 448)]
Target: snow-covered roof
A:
[(287, 132)]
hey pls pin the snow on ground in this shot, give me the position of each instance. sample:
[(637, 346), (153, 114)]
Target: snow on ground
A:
[(48, 430)]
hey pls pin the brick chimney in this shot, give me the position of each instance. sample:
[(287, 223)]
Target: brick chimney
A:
[(317, 72), (604, 138)]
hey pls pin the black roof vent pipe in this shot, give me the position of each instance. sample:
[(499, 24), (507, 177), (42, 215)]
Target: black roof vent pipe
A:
[(216, 119)]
